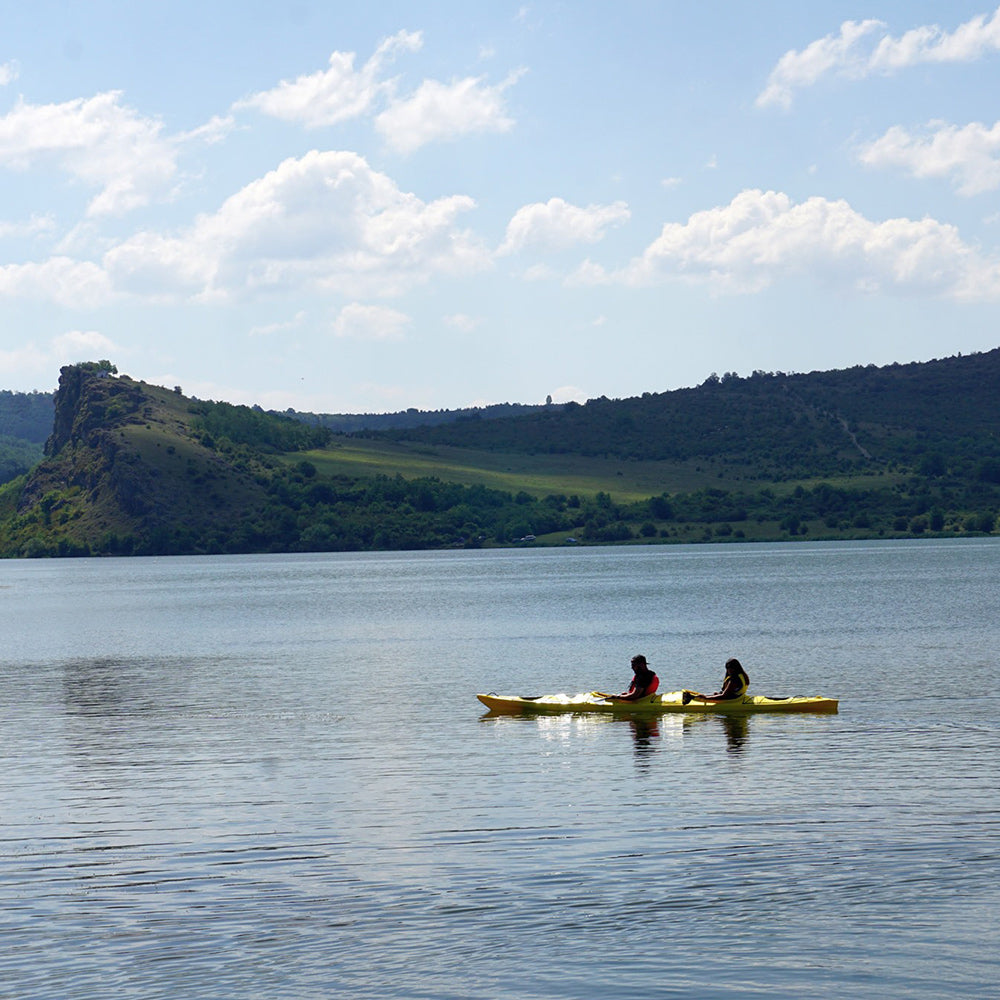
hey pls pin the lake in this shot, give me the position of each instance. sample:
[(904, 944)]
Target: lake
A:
[(269, 776)]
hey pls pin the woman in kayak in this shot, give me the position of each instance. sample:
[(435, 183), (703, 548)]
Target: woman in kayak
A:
[(644, 682), (734, 684)]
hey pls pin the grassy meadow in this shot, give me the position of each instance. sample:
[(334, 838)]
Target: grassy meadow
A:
[(543, 475)]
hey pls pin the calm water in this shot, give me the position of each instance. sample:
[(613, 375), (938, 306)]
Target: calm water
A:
[(269, 777)]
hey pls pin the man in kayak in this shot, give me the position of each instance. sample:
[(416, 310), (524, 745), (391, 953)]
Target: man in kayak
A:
[(734, 685), (644, 682)]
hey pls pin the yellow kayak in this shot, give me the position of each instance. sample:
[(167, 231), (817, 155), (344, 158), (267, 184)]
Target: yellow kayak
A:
[(671, 701)]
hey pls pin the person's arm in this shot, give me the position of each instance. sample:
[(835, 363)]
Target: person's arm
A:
[(732, 687), (635, 692), (629, 695)]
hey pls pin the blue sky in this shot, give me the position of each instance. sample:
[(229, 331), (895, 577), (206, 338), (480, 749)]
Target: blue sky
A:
[(445, 204)]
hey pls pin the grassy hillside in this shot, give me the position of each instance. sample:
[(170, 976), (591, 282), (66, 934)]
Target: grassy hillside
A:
[(127, 469), (541, 475), (132, 468), (137, 469)]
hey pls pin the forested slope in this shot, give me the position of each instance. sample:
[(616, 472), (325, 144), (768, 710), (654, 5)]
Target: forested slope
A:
[(776, 426)]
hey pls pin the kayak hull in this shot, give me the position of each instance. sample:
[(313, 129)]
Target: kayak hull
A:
[(655, 704)]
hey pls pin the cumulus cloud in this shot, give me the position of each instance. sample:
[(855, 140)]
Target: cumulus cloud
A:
[(569, 394), (99, 141), (370, 322), (325, 222), (62, 280), (862, 48), (838, 53), (445, 111), (66, 348), (337, 93), (557, 225), (82, 344), (971, 40), (969, 155), (763, 237), (433, 111)]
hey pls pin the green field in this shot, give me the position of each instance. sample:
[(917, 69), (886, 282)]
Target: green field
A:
[(544, 475)]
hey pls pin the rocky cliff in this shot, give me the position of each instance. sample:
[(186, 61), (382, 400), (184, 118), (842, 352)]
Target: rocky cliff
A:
[(127, 469)]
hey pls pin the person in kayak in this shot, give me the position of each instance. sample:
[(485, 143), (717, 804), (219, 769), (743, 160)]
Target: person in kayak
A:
[(734, 685), (644, 682)]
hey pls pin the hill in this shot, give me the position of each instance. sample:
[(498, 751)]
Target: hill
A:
[(347, 423), (131, 468), (867, 453), (774, 426), (25, 423)]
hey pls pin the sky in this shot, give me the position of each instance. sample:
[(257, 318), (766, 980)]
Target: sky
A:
[(349, 208)]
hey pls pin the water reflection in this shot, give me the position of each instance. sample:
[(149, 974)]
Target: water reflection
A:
[(647, 731), (95, 687), (736, 727), (646, 737)]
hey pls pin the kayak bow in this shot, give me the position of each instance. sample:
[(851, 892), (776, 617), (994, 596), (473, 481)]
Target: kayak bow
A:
[(671, 701)]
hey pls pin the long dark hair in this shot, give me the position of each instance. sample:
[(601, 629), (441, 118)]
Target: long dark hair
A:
[(734, 665)]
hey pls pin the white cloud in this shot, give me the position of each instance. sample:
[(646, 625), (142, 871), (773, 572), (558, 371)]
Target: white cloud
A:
[(214, 130), (969, 154), (66, 348), (9, 72), (35, 225), (336, 94), (832, 53), (462, 322), (59, 279), (858, 51), (589, 273), (25, 358), (539, 272), (99, 141), (445, 111), (556, 224), (569, 394), (82, 344), (433, 111), (971, 40), (764, 237), (267, 329), (368, 322), (324, 222)]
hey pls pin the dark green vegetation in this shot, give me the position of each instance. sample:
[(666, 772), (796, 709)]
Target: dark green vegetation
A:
[(348, 423), (941, 417), (25, 423), (865, 453), (136, 469)]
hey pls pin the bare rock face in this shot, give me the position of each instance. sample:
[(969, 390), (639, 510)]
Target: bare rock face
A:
[(89, 401)]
